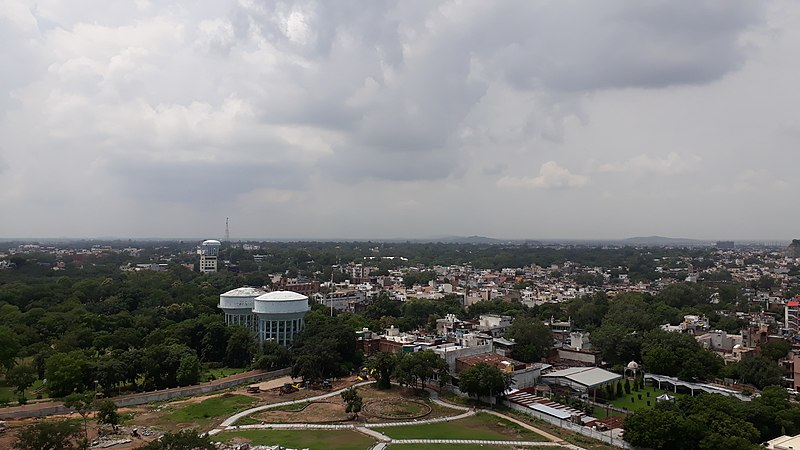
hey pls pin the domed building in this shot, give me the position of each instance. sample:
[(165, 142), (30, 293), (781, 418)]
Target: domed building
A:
[(280, 315), (276, 316), (237, 305)]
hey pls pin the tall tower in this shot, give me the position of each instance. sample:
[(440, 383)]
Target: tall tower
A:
[(209, 251), (227, 231)]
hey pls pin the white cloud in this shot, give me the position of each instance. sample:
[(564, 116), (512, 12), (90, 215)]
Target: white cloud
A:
[(551, 176), (672, 164)]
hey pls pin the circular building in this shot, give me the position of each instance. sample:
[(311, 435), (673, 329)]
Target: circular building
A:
[(280, 315), (238, 304)]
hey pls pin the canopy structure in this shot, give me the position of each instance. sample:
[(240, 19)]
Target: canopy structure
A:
[(665, 398), (581, 378)]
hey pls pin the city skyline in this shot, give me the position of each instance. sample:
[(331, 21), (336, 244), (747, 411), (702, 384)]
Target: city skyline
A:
[(407, 120)]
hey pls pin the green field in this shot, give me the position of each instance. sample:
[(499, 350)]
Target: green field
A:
[(635, 405), (311, 439), (210, 408), (479, 426)]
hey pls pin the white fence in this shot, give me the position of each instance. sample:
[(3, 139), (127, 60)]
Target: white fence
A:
[(603, 436)]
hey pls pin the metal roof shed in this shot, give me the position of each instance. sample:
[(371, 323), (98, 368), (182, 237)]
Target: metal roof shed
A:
[(581, 378)]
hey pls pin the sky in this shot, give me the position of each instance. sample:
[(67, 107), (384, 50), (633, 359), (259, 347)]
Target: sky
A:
[(400, 119)]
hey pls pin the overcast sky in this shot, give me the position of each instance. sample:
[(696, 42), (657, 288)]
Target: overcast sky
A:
[(380, 119)]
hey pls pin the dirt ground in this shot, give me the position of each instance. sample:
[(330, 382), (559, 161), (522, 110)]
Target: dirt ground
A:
[(151, 415), (8, 438), (332, 409)]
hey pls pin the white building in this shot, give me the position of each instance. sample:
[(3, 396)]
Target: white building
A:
[(238, 305), (277, 316), (280, 315), (209, 251)]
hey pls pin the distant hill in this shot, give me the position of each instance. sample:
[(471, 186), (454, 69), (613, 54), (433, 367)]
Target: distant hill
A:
[(470, 240), (661, 240)]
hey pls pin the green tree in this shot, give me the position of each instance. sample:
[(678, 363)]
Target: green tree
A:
[(49, 435), (658, 429), (21, 377), (352, 400), (273, 356), (181, 440), (188, 371), (9, 347), (420, 367), (242, 347), (483, 379), (82, 403), (383, 365), (107, 413), (66, 373), (775, 350), (760, 372), (532, 337)]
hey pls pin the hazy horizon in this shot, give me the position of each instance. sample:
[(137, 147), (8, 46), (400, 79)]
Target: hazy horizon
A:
[(400, 120)]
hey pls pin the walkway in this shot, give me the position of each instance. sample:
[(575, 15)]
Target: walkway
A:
[(384, 440)]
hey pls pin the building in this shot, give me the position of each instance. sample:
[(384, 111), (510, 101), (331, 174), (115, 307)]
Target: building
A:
[(237, 305), (209, 252), (280, 315), (522, 375), (792, 314)]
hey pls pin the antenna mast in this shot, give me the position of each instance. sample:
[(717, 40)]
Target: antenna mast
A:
[(227, 231)]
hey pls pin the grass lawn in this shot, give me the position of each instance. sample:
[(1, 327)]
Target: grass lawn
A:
[(210, 408), (479, 426), (216, 374), (7, 392), (461, 447), (601, 413), (311, 439), (636, 404)]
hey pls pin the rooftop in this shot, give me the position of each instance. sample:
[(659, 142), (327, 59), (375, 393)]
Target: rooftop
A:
[(281, 296)]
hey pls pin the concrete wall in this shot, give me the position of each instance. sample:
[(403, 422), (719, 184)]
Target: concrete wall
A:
[(53, 408)]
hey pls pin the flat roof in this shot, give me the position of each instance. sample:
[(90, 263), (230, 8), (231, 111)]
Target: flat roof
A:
[(784, 442), (585, 376)]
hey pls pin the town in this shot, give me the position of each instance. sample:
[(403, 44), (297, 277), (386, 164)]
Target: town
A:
[(575, 340)]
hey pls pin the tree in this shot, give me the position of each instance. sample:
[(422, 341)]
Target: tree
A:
[(760, 372), (352, 400), (82, 403), (421, 367), (21, 377), (242, 347), (775, 350), (325, 348), (9, 347), (274, 356), (160, 364), (188, 371), (532, 337), (658, 429), (49, 435), (383, 364), (182, 440), (483, 379), (66, 373), (618, 392), (107, 413), (627, 386)]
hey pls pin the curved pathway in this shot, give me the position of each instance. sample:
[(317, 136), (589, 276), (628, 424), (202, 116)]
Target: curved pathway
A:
[(384, 440)]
